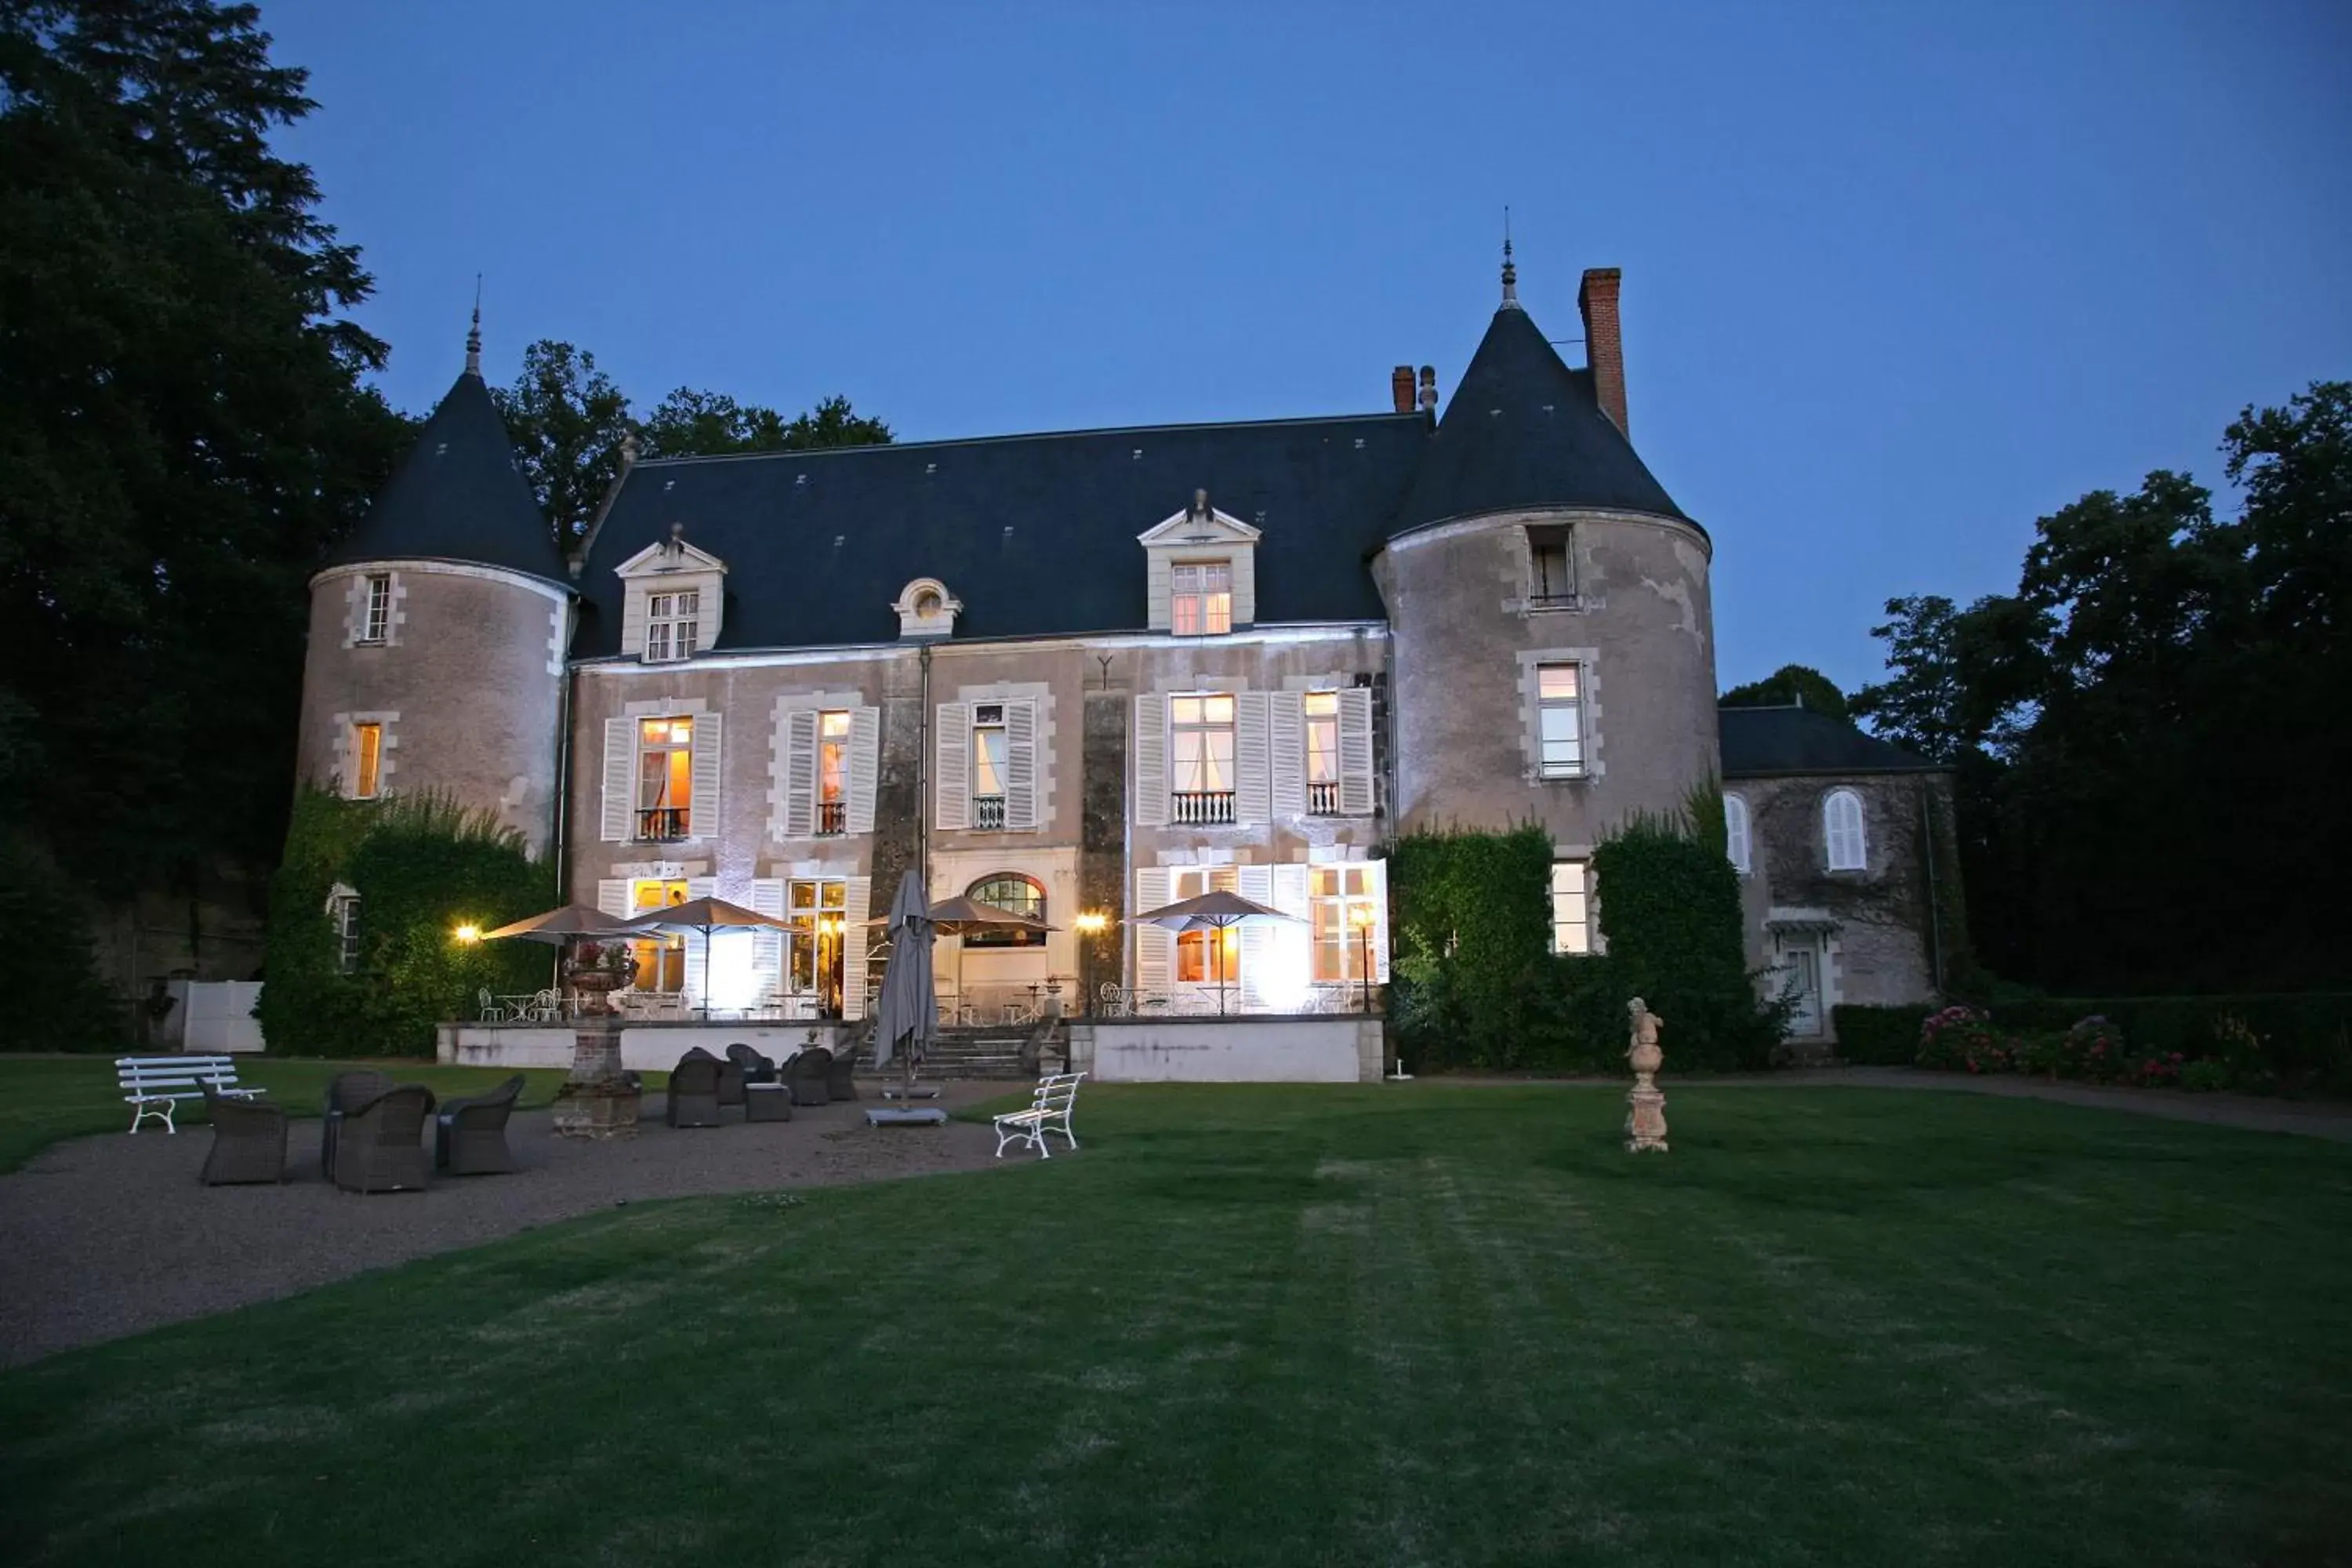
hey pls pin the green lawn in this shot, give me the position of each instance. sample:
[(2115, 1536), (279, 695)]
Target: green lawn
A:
[(1428, 1324), (44, 1099)]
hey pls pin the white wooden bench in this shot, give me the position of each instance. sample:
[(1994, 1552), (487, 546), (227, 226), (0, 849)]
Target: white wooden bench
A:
[(1048, 1111), (153, 1086)]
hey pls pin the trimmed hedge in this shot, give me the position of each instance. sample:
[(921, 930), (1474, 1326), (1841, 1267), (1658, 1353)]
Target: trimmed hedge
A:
[(1878, 1037)]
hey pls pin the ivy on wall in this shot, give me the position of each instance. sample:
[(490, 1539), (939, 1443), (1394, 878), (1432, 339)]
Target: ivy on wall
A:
[(422, 866), (1669, 903)]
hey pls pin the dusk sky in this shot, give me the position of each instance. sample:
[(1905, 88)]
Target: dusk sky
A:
[(1897, 280)]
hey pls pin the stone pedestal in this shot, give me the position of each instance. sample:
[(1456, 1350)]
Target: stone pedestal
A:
[(599, 1099), (1645, 1112)]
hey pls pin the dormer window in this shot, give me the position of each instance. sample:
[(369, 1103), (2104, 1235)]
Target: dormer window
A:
[(1200, 598), (672, 621), (926, 609)]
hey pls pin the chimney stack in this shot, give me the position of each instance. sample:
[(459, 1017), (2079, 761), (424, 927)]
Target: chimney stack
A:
[(1429, 387), (1400, 388), (1604, 350)]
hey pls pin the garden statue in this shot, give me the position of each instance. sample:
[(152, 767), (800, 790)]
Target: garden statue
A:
[(1645, 1121), (598, 1099)]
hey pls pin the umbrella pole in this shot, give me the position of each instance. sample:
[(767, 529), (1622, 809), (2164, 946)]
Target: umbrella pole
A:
[(1221, 970)]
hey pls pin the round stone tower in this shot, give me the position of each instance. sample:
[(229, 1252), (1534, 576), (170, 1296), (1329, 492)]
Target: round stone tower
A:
[(439, 631), (1554, 655)]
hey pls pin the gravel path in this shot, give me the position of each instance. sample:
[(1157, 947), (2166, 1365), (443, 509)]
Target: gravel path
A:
[(111, 1235)]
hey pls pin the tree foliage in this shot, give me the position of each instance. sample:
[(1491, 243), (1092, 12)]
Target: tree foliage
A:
[(1791, 683), (183, 432), (2144, 732)]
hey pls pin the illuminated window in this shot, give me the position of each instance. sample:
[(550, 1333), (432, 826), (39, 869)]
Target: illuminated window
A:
[(659, 963), (665, 778), (1571, 907), (1202, 731), (988, 745), (367, 760), (1203, 956), (1322, 753), (1015, 894), (377, 628), (1559, 720), (816, 910), (1341, 897), (672, 623), (832, 784), (1201, 598)]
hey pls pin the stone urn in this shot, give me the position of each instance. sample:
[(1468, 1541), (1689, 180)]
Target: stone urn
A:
[(1645, 1107), (598, 1100)]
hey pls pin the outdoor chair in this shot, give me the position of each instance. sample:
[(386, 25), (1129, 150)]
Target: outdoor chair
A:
[(809, 1073), (694, 1091), (381, 1147), (469, 1136), (345, 1093), (838, 1082), (755, 1068), (731, 1083), (249, 1140)]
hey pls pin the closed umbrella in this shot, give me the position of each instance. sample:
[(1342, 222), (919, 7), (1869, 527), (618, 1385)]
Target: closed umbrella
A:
[(1213, 911), (710, 917), (906, 1014), (961, 916)]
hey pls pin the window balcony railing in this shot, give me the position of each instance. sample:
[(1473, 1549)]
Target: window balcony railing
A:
[(1201, 807), (832, 816), (988, 813), (662, 824), (1322, 797)]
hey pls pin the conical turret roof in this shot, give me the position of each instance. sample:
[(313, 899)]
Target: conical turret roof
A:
[(459, 496), (1523, 431)]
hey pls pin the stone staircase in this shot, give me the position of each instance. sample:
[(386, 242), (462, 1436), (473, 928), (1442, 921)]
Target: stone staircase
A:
[(985, 1053)]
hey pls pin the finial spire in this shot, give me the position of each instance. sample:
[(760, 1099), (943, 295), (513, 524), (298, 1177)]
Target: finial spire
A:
[(1510, 271), (474, 337)]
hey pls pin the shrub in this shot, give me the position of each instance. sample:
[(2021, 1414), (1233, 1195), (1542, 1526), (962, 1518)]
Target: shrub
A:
[(1472, 980), (2204, 1075), (1962, 1039), (2094, 1049), (1878, 1037)]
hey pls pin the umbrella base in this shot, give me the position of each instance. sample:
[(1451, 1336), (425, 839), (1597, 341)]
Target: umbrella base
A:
[(906, 1115), (920, 1091)]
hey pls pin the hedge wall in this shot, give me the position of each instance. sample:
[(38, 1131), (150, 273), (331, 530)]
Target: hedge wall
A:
[(1878, 1037), (422, 867), (2275, 1040), (1669, 903)]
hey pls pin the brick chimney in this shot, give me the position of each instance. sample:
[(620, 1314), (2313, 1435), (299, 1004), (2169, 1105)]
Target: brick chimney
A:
[(1429, 387), (1604, 351), (1400, 388)]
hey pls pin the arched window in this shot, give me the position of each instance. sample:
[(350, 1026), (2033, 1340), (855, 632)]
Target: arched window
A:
[(1735, 832), (1016, 894), (1841, 831)]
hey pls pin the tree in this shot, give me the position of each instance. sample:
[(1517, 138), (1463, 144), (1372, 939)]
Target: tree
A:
[(688, 423), (182, 435), (567, 420), (1791, 683)]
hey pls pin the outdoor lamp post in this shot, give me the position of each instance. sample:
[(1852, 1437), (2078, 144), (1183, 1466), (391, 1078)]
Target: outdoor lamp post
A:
[(468, 934), (1091, 924), (1361, 917)]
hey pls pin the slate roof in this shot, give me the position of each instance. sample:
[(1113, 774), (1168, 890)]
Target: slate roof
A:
[(1765, 742), (459, 496), (1524, 430), (1036, 534)]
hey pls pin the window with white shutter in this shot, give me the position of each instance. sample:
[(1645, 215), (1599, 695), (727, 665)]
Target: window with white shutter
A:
[(799, 817), (865, 765), (1735, 832), (857, 904), (833, 771), (1356, 793), (767, 946), (1253, 760), (1021, 792), (953, 751), (1285, 731), (1150, 746), (704, 820), (1262, 982), (1841, 831), (695, 947), (620, 780), (1155, 949)]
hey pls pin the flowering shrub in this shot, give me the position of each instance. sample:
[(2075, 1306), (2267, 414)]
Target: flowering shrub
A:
[(2042, 1053), (2205, 1076), (1962, 1039), (2094, 1050)]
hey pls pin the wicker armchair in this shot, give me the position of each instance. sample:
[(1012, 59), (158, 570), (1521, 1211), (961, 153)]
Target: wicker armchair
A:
[(755, 1068), (469, 1136), (381, 1147), (838, 1082), (249, 1140), (346, 1093), (731, 1082), (810, 1075), (694, 1091)]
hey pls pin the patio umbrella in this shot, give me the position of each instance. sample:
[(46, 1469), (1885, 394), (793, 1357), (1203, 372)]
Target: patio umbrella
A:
[(1217, 911), (961, 916), (906, 1011), (557, 927), (709, 917)]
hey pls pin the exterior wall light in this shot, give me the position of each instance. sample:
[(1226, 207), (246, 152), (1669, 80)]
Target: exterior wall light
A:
[(469, 934)]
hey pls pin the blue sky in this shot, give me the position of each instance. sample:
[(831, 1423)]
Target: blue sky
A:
[(1899, 278)]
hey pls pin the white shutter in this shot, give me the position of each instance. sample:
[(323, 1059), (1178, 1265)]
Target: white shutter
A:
[(1259, 977), (1356, 752), (954, 766), (1149, 744), (1020, 767), (632, 620), (768, 946), (1155, 948), (702, 814), (613, 898), (355, 611), (1376, 883), (858, 899), (1294, 945), (800, 772), (697, 944), (865, 765), (1252, 800), (620, 779), (1735, 832), (1286, 730)]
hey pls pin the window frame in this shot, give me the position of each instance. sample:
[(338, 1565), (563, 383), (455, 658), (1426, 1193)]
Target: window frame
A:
[(367, 759), (1200, 805), (657, 955), (1833, 832), (673, 617), (345, 914), (1543, 594), (1581, 895), (375, 611), (642, 814), (1213, 969), (1208, 602), (833, 740), (1008, 939), (1322, 793), (988, 805), (1358, 961), (1574, 704), (1738, 834)]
